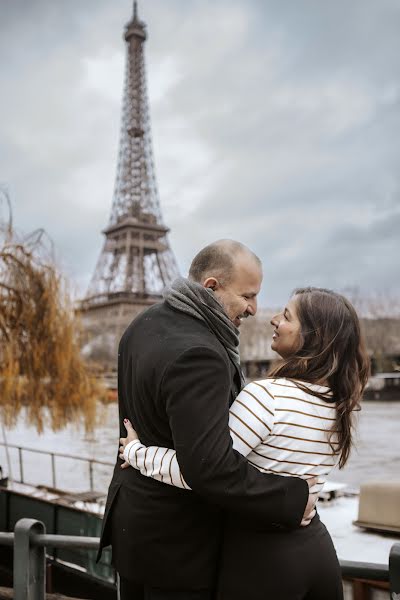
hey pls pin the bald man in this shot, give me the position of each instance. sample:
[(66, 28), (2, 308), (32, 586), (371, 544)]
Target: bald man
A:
[(178, 373)]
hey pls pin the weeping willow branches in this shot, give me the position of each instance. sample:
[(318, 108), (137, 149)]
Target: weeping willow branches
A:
[(41, 368)]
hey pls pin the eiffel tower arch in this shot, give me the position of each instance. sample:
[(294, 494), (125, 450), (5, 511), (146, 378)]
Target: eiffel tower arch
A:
[(136, 261)]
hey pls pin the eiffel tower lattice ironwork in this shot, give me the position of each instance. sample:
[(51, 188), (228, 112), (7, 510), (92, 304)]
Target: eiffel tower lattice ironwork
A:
[(136, 261)]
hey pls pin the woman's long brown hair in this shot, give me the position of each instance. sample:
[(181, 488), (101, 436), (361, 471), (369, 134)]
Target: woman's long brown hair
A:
[(333, 350)]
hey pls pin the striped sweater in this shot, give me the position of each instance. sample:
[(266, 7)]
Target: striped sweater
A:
[(278, 426)]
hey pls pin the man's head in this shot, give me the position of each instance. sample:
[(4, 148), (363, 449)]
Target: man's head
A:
[(233, 272)]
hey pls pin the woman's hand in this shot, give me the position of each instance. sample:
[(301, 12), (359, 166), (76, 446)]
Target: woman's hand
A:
[(132, 435)]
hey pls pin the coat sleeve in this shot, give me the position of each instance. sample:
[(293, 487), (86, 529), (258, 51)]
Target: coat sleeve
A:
[(196, 388)]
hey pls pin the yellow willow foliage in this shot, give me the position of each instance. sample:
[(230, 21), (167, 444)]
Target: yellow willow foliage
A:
[(41, 367)]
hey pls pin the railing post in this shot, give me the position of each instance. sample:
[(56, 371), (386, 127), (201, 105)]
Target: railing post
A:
[(21, 467), (91, 475), (53, 470), (394, 572), (29, 561)]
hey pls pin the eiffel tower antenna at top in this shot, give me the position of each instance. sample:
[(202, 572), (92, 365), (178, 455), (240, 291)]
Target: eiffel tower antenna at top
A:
[(135, 10)]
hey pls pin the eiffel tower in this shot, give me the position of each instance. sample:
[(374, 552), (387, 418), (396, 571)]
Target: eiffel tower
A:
[(136, 261)]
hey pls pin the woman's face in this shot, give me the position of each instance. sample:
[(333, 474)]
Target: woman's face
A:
[(286, 339)]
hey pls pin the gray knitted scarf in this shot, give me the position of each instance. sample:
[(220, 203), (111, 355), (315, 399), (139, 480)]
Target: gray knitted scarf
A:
[(201, 303)]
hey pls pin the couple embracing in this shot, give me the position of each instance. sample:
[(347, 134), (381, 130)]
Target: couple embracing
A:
[(213, 494)]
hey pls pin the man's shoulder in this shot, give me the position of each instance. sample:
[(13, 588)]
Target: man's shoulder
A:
[(164, 326), (162, 314)]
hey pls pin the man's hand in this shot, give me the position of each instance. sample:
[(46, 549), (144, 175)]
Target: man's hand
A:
[(310, 511), (132, 435)]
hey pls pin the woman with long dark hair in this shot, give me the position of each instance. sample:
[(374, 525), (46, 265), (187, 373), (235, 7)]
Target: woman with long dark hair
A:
[(298, 421)]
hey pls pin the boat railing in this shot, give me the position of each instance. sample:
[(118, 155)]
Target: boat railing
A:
[(29, 566), (21, 450)]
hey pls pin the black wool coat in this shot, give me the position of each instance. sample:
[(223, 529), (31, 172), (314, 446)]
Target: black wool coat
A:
[(175, 384)]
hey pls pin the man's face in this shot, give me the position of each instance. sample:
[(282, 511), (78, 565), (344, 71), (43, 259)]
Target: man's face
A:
[(239, 296)]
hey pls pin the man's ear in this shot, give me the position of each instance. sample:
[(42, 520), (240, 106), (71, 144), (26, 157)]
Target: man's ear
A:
[(211, 283)]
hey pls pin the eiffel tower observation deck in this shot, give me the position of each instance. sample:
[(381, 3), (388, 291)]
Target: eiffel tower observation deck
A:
[(136, 261)]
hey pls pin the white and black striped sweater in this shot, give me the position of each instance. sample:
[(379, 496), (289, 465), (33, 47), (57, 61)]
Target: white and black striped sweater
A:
[(278, 426)]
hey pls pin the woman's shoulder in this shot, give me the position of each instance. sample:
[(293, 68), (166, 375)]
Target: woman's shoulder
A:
[(259, 388), (272, 390), (270, 386), (298, 394), (275, 385), (288, 387)]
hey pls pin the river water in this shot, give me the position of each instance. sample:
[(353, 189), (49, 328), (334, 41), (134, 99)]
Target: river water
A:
[(376, 455)]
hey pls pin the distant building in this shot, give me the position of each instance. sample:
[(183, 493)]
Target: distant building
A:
[(383, 343), (382, 338), (255, 344)]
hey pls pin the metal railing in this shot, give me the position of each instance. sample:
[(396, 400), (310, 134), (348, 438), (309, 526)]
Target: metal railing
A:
[(53, 456), (30, 541)]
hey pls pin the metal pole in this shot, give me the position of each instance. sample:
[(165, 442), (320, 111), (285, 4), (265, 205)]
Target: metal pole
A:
[(29, 561), (394, 572), (53, 469), (10, 476), (67, 541), (91, 475), (21, 468)]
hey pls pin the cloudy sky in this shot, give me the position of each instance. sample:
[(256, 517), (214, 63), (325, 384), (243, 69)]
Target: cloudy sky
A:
[(275, 122)]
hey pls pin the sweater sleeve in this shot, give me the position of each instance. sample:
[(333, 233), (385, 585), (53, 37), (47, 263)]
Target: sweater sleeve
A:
[(251, 416), (155, 462)]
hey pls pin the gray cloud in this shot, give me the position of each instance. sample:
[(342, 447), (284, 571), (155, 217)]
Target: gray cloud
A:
[(274, 123)]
